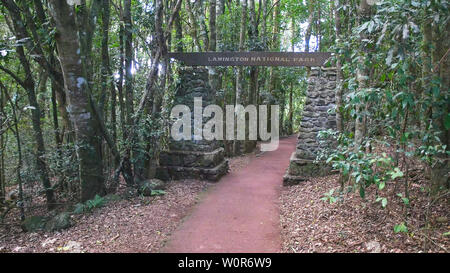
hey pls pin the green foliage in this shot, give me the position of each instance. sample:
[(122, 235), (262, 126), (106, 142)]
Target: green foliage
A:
[(365, 169), (401, 228), (404, 101), (95, 203), (157, 192), (395, 173), (383, 200), (79, 208), (404, 199), (328, 197), (89, 205)]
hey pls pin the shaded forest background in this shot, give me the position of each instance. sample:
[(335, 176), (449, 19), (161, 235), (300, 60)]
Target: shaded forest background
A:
[(86, 89)]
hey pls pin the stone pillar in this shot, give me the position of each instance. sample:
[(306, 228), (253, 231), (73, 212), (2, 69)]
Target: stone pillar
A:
[(320, 98), (200, 159)]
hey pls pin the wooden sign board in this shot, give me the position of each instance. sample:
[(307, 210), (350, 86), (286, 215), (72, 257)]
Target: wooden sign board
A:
[(254, 58)]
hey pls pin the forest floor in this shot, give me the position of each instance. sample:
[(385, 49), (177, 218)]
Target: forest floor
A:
[(131, 224), (306, 223), (136, 224), (310, 224)]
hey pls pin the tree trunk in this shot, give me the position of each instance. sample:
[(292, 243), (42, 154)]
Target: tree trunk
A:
[(178, 33), (291, 93), (80, 107), (310, 23), (441, 74), (105, 77), (427, 44), (2, 153), (213, 71), (362, 75), (337, 18), (128, 36), (309, 29), (194, 26), (253, 85), (240, 70), (273, 77), (29, 86)]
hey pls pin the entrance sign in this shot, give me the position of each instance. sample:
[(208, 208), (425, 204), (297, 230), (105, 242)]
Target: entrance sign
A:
[(253, 58)]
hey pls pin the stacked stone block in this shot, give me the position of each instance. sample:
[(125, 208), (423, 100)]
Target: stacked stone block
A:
[(200, 159), (320, 98)]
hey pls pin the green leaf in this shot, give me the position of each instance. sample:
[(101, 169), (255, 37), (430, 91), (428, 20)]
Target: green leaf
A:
[(400, 228), (396, 173), (447, 121), (157, 192), (362, 191), (79, 208), (358, 178), (383, 201), (415, 4)]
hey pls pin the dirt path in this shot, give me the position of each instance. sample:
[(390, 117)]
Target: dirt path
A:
[(241, 213)]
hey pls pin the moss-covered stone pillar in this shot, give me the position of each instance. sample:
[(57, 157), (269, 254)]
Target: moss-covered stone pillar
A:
[(201, 159), (320, 98)]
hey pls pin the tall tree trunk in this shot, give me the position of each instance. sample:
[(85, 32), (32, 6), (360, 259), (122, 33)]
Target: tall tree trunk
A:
[(219, 32), (213, 71), (2, 153), (337, 18), (441, 103), (309, 29), (427, 44), (178, 32), (128, 36), (200, 12), (212, 25), (362, 74), (148, 169), (240, 70), (253, 84), (29, 86), (273, 73), (253, 35), (105, 76), (194, 26), (80, 107), (121, 76), (310, 24), (319, 29), (58, 138), (291, 93), (264, 22), (19, 160), (41, 90), (60, 95)]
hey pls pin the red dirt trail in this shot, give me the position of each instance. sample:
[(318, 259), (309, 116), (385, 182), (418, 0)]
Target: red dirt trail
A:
[(241, 212)]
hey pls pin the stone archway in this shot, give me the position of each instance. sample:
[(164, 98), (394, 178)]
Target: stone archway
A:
[(206, 159)]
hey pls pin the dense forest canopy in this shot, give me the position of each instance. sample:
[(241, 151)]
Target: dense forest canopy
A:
[(87, 88)]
